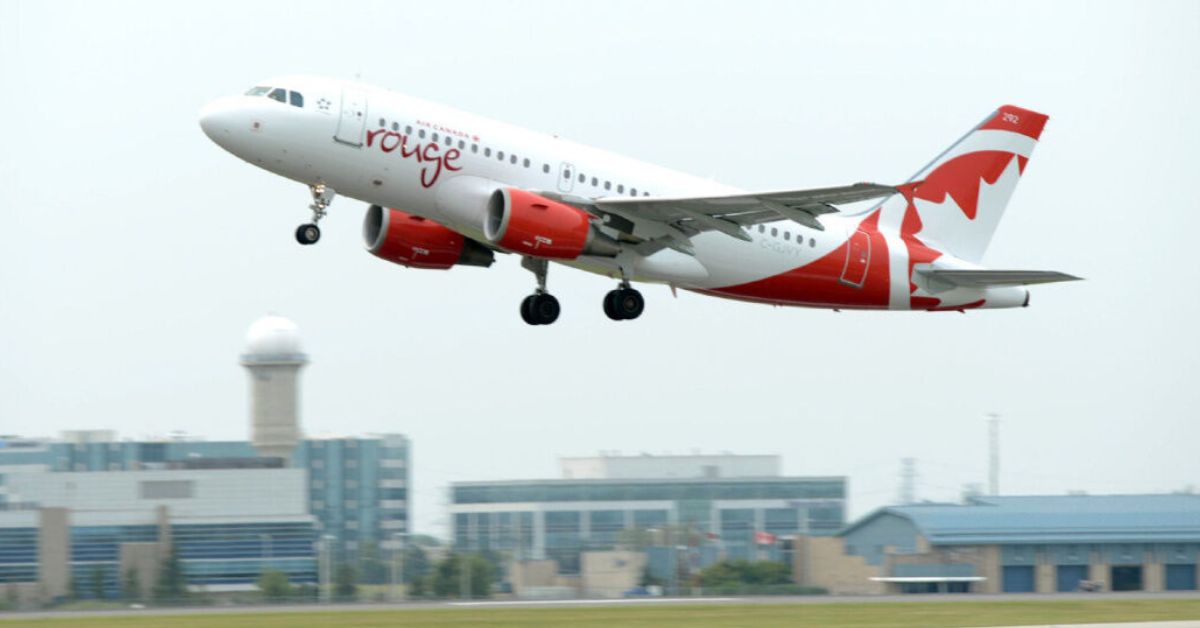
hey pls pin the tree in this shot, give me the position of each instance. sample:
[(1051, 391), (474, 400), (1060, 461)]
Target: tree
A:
[(416, 564), (274, 585), (448, 578), (172, 581), (744, 572), (131, 585), (371, 567), (97, 582), (344, 587)]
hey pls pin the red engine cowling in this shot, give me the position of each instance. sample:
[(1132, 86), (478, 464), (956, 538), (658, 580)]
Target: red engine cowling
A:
[(417, 242), (529, 224)]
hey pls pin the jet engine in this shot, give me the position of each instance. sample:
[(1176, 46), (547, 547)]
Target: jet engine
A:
[(533, 225), (417, 242)]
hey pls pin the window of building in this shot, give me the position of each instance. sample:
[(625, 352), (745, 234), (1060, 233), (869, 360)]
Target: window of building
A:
[(318, 464), (166, 489)]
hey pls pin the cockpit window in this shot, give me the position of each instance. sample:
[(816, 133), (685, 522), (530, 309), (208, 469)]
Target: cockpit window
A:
[(258, 91), (297, 99), (279, 94)]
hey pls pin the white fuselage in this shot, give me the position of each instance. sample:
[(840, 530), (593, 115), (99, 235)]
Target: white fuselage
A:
[(384, 148)]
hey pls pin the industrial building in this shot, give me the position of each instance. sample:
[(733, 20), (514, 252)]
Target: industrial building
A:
[(231, 508), (711, 505), (1040, 544)]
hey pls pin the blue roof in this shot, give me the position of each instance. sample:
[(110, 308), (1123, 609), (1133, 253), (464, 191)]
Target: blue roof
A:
[(1053, 519)]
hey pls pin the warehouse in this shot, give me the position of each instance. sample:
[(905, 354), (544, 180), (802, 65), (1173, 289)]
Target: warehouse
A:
[(1040, 544)]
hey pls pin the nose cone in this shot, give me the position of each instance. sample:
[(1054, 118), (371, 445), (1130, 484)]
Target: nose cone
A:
[(218, 120)]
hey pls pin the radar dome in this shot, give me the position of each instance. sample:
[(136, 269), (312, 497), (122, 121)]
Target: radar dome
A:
[(273, 336)]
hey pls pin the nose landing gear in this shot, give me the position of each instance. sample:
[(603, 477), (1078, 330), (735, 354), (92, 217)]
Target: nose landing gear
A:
[(539, 308), (322, 195)]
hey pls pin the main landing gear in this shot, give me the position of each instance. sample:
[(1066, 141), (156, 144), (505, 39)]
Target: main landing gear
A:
[(539, 308), (322, 196), (624, 303)]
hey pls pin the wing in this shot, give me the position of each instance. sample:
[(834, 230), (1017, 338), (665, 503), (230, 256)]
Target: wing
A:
[(980, 278), (689, 215)]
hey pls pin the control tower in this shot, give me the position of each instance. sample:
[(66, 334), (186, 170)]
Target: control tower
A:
[(274, 358)]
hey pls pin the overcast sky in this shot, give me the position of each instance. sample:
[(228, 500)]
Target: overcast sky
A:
[(134, 253)]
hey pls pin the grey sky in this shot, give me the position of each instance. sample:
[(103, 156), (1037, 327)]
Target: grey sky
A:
[(134, 252)]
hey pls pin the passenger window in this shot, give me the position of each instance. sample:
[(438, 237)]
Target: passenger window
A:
[(434, 137), (487, 152), (633, 191), (474, 148), (608, 185), (774, 232), (595, 181), (582, 177), (645, 194), (421, 133), (461, 145), (566, 174), (526, 162), (787, 235), (546, 168), (396, 126), (279, 94), (621, 189), (408, 130), (500, 155), (382, 122), (812, 242), (762, 229), (512, 159)]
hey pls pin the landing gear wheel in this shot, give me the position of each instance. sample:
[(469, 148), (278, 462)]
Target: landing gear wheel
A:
[(308, 233), (624, 304), (540, 309)]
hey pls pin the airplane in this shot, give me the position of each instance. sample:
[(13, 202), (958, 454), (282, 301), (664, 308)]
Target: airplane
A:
[(446, 188)]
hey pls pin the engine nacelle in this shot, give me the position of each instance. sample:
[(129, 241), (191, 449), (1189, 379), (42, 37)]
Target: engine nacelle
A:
[(529, 224), (417, 242)]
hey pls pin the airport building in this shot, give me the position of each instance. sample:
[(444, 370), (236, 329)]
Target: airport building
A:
[(231, 508), (1042, 544), (713, 504)]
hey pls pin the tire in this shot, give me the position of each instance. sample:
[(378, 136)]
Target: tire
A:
[(527, 310), (629, 304), (610, 305), (308, 234), (545, 309)]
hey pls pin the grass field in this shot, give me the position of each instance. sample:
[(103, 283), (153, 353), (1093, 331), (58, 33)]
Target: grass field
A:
[(931, 614)]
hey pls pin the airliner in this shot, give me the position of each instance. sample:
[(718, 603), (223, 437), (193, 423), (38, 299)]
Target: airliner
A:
[(445, 188)]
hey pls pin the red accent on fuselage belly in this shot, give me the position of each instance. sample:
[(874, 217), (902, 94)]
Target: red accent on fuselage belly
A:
[(818, 284)]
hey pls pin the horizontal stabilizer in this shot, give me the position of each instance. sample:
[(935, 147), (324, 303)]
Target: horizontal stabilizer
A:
[(982, 278)]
